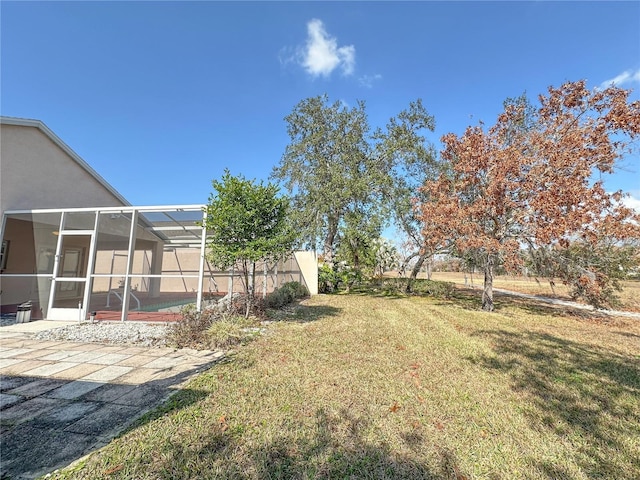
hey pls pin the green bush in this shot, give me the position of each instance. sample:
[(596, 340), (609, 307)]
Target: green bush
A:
[(433, 288), (328, 279), (286, 294), (339, 277)]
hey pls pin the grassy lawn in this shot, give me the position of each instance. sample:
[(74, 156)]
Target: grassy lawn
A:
[(357, 386), (629, 296)]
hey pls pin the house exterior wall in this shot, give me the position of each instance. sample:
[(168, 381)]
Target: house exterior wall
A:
[(35, 172)]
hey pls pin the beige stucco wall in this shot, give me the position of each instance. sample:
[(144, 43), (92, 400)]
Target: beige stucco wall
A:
[(37, 173)]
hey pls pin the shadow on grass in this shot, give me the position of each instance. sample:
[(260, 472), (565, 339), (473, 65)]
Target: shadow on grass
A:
[(583, 394), (334, 448)]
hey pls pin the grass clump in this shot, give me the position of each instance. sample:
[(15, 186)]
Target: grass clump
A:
[(231, 330)]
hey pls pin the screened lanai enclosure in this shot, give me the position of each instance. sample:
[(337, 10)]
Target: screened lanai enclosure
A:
[(121, 263)]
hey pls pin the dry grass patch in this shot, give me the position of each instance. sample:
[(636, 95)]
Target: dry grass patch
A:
[(356, 386), (629, 296)]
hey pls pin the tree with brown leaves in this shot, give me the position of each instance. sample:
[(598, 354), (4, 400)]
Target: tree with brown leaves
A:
[(533, 180)]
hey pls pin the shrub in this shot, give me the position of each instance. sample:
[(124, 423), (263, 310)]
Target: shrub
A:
[(340, 276), (328, 279), (190, 330), (286, 294), (433, 288), (296, 289)]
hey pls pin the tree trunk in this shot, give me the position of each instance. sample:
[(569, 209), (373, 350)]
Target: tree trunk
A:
[(415, 271), (332, 231), (487, 292), (251, 281)]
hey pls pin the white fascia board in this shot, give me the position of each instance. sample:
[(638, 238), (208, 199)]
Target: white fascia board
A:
[(123, 209)]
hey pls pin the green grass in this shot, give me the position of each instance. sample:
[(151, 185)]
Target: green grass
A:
[(363, 386)]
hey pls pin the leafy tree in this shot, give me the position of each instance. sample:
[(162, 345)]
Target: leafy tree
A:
[(246, 222), (385, 256), (328, 166), (345, 180), (527, 181), (408, 161)]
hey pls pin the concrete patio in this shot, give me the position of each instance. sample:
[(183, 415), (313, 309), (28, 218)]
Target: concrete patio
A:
[(61, 400)]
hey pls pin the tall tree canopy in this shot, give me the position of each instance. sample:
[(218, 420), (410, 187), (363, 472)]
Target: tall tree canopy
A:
[(527, 182), (246, 222), (345, 180)]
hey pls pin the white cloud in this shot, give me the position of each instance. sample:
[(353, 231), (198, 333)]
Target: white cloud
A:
[(321, 54), (368, 80), (628, 76), (632, 202)]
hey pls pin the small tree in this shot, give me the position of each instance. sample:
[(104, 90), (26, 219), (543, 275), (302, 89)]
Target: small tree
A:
[(246, 222), (527, 182)]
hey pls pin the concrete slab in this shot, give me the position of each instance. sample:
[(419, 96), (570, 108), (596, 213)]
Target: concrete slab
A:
[(23, 411), (35, 354), (22, 366), (74, 373), (108, 420), (12, 352), (29, 452), (56, 410), (73, 390), (6, 400), (47, 370), (61, 418), (137, 360), (9, 382), (59, 355), (139, 376), (33, 327), (7, 362), (164, 362), (84, 357), (109, 349), (143, 396), (37, 386), (111, 358), (108, 393), (107, 374)]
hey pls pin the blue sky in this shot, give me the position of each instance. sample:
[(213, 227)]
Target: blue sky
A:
[(161, 97)]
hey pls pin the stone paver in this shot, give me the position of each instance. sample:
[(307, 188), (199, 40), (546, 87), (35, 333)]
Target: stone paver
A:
[(37, 387), (107, 374), (60, 400), (6, 400), (20, 365), (50, 369), (73, 389), (12, 352), (7, 362), (86, 357), (111, 358)]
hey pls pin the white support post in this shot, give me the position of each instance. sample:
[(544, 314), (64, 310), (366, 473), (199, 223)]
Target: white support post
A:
[(56, 261), (127, 279), (88, 286), (203, 245)]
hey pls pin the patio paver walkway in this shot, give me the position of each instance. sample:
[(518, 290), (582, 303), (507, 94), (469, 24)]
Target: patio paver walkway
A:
[(61, 400)]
